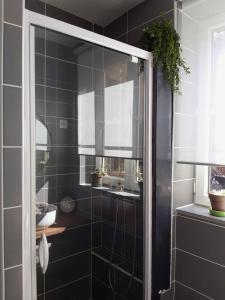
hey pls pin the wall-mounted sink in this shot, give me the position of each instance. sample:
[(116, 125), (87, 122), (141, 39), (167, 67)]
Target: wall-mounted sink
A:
[(45, 215)]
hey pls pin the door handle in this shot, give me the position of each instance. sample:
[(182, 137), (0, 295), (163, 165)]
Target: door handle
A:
[(44, 253)]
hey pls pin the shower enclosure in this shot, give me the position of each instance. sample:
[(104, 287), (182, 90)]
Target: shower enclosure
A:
[(87, 184)]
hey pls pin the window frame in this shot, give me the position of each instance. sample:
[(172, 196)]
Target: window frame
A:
[(202, 184)]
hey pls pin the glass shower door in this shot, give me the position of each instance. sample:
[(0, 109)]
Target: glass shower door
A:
[(89, 206)]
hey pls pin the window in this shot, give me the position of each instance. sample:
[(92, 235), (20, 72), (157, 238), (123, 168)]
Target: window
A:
[(212, 119)]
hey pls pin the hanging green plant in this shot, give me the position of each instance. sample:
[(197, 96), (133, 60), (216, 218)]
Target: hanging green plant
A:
[(164, 42)]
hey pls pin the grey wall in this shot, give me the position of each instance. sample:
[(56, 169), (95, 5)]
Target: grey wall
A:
[(200, 260), (184, 130), (11, 148), (53, 12), (128, 28)]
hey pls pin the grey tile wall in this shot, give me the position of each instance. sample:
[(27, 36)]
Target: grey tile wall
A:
[(11, 151), (14, 284), (12, 11), (186, 293), (12, 177), (200, 263), (12, 55), (54, 12), (1, 164), (13, 237), (57, 88), (12, 116), (183, 145), (128, 28), (200, 274)]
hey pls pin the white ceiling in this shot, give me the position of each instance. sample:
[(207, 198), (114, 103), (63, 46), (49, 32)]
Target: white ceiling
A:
[(101, 12), (203, 9)]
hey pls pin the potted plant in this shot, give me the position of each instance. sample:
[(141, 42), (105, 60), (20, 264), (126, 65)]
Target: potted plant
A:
[(96, 177), (217, 199), (163, 41)]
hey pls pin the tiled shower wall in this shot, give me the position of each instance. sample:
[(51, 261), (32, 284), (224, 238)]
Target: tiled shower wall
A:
[(11, 149), (128, 28), (56, 104)]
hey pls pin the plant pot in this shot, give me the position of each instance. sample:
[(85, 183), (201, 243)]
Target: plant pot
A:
[(217, 201), (96, 180)]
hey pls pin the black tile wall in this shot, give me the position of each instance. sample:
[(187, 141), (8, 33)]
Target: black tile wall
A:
[(106, 286), (146, 11), (67, 270), (133, 23), (60, 76), (197, 241), (200, 263), (134, 34), (36, 6), (201, 275), (117, 28), (185, 293), (129, 26), (79, 290)]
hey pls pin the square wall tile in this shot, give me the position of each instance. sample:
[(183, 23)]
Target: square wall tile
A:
[(191, 61), (147, 11), (117, 27), (186, 103), (196, 239), (188, 30), (13, 237), (185, 293), (12, 116), (201, 275), (182, 171), (184, 131), (14, 284), (183, 193), (12, 55), (36, 6), (12, 180), (13, 11)]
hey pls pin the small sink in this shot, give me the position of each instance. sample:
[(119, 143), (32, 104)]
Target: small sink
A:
[(45, 215)]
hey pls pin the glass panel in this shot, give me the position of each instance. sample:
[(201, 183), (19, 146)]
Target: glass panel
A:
[(89, 104)]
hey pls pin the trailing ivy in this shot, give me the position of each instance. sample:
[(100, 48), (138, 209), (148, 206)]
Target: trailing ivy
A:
[(164, 42)]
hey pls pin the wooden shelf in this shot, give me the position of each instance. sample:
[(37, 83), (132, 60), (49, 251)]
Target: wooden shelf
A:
[(49, 231)]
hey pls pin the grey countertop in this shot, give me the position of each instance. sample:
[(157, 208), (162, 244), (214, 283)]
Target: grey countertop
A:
[(199, 212)]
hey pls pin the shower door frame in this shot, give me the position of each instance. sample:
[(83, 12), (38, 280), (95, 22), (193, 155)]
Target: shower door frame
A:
[(32, 19)]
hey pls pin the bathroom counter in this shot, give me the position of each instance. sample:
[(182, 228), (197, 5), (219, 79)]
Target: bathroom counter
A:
[(49, 231), (199, 212)]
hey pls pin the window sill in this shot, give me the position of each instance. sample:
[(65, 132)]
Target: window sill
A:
[(200, 213)]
